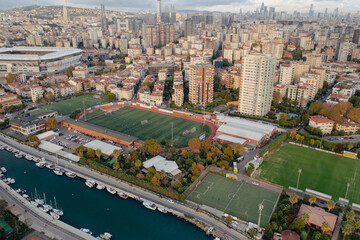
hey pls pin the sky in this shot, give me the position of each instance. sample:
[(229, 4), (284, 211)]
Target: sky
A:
[(207, 5)]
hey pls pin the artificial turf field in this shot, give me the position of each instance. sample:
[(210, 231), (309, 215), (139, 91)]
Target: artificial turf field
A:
[(68, 106), (323, 172), (238, 199), (146, 125)]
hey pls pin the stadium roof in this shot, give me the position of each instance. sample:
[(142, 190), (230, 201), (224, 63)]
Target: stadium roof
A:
[(105, 148), (244, 128), (230, 139), (102, 130), (53, 53)]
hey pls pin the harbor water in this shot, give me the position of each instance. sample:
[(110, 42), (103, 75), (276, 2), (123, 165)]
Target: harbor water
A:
[(96, 210)]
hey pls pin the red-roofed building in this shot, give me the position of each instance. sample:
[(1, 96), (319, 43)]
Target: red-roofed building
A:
[(324, 124), (317, 216)]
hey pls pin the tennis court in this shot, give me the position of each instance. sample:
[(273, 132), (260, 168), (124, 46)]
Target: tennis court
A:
[(77, 103), (147, 124), (238, 199)]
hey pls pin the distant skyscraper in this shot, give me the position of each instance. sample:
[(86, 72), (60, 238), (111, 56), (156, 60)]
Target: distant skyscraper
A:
[(189, 27), (201, 84), (65, 12), (311, 11), (104, 23), (158, 11), (256, 84)]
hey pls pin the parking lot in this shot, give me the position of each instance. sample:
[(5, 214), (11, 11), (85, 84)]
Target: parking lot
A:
[(70, 139)]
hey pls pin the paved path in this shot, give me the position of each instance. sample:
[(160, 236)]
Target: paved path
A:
[(221, 228), (37, 219), (338, 226)]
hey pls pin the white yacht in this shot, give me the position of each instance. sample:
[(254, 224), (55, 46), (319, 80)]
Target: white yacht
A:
[(70, 174), (105, 236), (86, 230), (54, 215), (111, 190), (149, 205), (41, 164), (58, 211), (123, 195), (58, 172), (163, 210), (3, 170), (100, 186), (90, 183), (39, 201)]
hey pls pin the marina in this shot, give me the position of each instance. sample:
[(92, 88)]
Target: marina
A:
[(80, 211)]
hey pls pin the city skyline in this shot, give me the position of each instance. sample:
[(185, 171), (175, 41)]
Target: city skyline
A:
[(225, 6)]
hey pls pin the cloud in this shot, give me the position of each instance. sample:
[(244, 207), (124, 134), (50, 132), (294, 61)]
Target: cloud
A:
[(210, 5)]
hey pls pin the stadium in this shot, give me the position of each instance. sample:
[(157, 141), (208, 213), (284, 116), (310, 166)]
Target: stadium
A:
[(33, 60), (132, 124)]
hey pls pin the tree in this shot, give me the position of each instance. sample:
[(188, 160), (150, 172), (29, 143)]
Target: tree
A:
[(317, 235), (312, 142), (277, 98), (305, 217), (3, 206), (325, 227), (315, 107), (312, 199), (228, 219), (347, 228), (98, 153), (69, 71), (177, 184), (152, 146), (284, 116), (111, 96), (298, 224), (293, 198), (10, 78), (90, 153), (116, 165), (350, 215), (237, 148), (343, 107), (51, 123), (138, 163), (330, 204), (298, 136), (116, 153), (194, 145), (357, 224), (155, 180), (354, 115)]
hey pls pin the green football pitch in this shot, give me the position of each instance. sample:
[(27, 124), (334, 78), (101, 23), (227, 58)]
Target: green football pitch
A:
[(238, 199), (323, 172), (146, 125), (77, 103)]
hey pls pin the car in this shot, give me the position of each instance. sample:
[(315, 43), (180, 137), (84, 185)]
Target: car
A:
[(346, 138), (255, 183), (351, 138), (171, 201), (330, 139)]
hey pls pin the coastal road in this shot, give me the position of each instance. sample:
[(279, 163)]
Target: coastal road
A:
[(38, 220), (142, 194)]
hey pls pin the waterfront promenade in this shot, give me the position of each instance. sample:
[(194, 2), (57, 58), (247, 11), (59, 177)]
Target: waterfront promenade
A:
[(37, 219), (141, 194)]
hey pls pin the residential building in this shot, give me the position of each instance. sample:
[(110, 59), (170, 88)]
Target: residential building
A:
[(10, 99), (323, 123), (256, 84), (201, 84), (36, 93), (27, 125), (286, 74), (348, 126)]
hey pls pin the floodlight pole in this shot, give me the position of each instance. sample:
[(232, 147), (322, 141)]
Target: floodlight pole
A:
[(347, 189), (84, 110), (172, 134), (261, 207), (299, 171)]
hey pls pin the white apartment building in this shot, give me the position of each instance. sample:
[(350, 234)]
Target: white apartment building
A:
[(286, 74), (256, 84)]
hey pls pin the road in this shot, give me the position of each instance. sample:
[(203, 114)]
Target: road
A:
[(37, 219), (221, 228)]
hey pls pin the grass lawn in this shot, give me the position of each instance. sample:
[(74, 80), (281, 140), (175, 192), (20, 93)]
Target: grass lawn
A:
[(93, 114), (68, 106), (321, 171), (235, 198), (146, 125)]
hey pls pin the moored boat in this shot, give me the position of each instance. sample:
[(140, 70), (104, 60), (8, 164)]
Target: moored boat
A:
[(58, 211), (58, 172), (111, 190), (70, 174), (3, 169), (105, 236), (50, 166), (90, 183), (100, 187), (123, 195), (149, 205), (41, 164), (54, 215), (86, 230), (27, 197), (163, 210)]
